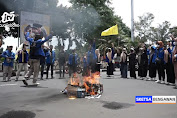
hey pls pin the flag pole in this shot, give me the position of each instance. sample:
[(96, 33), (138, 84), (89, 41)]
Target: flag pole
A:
[(132, 21)]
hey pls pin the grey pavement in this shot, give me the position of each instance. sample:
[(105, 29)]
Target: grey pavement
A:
[(117, 101)]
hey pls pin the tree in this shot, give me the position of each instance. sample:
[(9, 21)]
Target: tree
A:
[(143, 26), (173, 31), (161, 32), (93, 17)]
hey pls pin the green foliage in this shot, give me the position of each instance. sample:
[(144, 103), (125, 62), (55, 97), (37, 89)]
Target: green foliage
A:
[(94, 17), (173, 31), (81, 23), (143, 26)]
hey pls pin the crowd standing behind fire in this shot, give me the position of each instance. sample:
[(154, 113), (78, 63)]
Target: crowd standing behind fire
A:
[(156, 58)]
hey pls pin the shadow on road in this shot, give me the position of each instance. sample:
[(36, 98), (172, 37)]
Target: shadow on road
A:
[(116, 105), (32, 86), (18, 114)]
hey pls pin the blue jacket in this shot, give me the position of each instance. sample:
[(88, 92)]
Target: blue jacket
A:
[(160, 54), (91, 54), (107, 59), (71, 59), (6, 54), (39, 42), (154, 56), (48, 59), (20, 57)]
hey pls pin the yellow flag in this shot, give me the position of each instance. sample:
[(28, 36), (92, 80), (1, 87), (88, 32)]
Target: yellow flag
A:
[(111, 31)]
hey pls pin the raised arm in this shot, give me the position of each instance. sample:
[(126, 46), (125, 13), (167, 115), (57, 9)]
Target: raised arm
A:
[(27, 37), (46, 39)]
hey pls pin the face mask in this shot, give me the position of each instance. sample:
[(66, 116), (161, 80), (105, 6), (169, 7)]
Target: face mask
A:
[(174, 43)]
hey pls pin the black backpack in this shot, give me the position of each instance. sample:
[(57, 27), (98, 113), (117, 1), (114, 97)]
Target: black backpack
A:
[(33, 48)]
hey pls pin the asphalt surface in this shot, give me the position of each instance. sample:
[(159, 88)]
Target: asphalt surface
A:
[(117, 101)]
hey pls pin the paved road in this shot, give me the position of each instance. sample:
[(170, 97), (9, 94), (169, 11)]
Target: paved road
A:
[(117, 101)]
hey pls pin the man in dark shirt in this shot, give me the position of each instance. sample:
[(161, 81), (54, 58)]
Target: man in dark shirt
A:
[(62, 61)]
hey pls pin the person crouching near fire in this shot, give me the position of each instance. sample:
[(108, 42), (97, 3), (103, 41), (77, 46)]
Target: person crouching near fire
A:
[(36, 52), (22, 61), (8, 63)]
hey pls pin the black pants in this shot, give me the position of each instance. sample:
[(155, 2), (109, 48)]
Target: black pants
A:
[(160, 69), (152, 70), (142, 70), (124, 70), (170, 72), (132, 70), (72, 69), (85, 71), (42, 70), (48, 66), (62, 67), (97, 67), (110, 69)]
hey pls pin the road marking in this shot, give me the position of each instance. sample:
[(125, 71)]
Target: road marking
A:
[(8, 84)]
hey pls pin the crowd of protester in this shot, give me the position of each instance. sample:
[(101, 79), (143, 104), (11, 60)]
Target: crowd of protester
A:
[(151, 60), (148, 61)]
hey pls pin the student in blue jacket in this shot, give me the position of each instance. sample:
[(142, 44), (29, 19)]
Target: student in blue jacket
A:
[(91, 58), (50, 61), (152, 63), (73, 58), (36, 52), (8, 63)]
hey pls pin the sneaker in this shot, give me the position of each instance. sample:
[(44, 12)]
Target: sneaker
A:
[(36, 84), (153, 79), (158, 81), (25, 82), (150, 79), (172, 84), (162, 82), (167, 83), (175, 87)]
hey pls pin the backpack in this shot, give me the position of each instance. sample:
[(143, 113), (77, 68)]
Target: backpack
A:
[(33, 48)]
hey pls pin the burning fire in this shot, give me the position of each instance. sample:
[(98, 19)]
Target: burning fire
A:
[(72, 97), (90, 83)]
